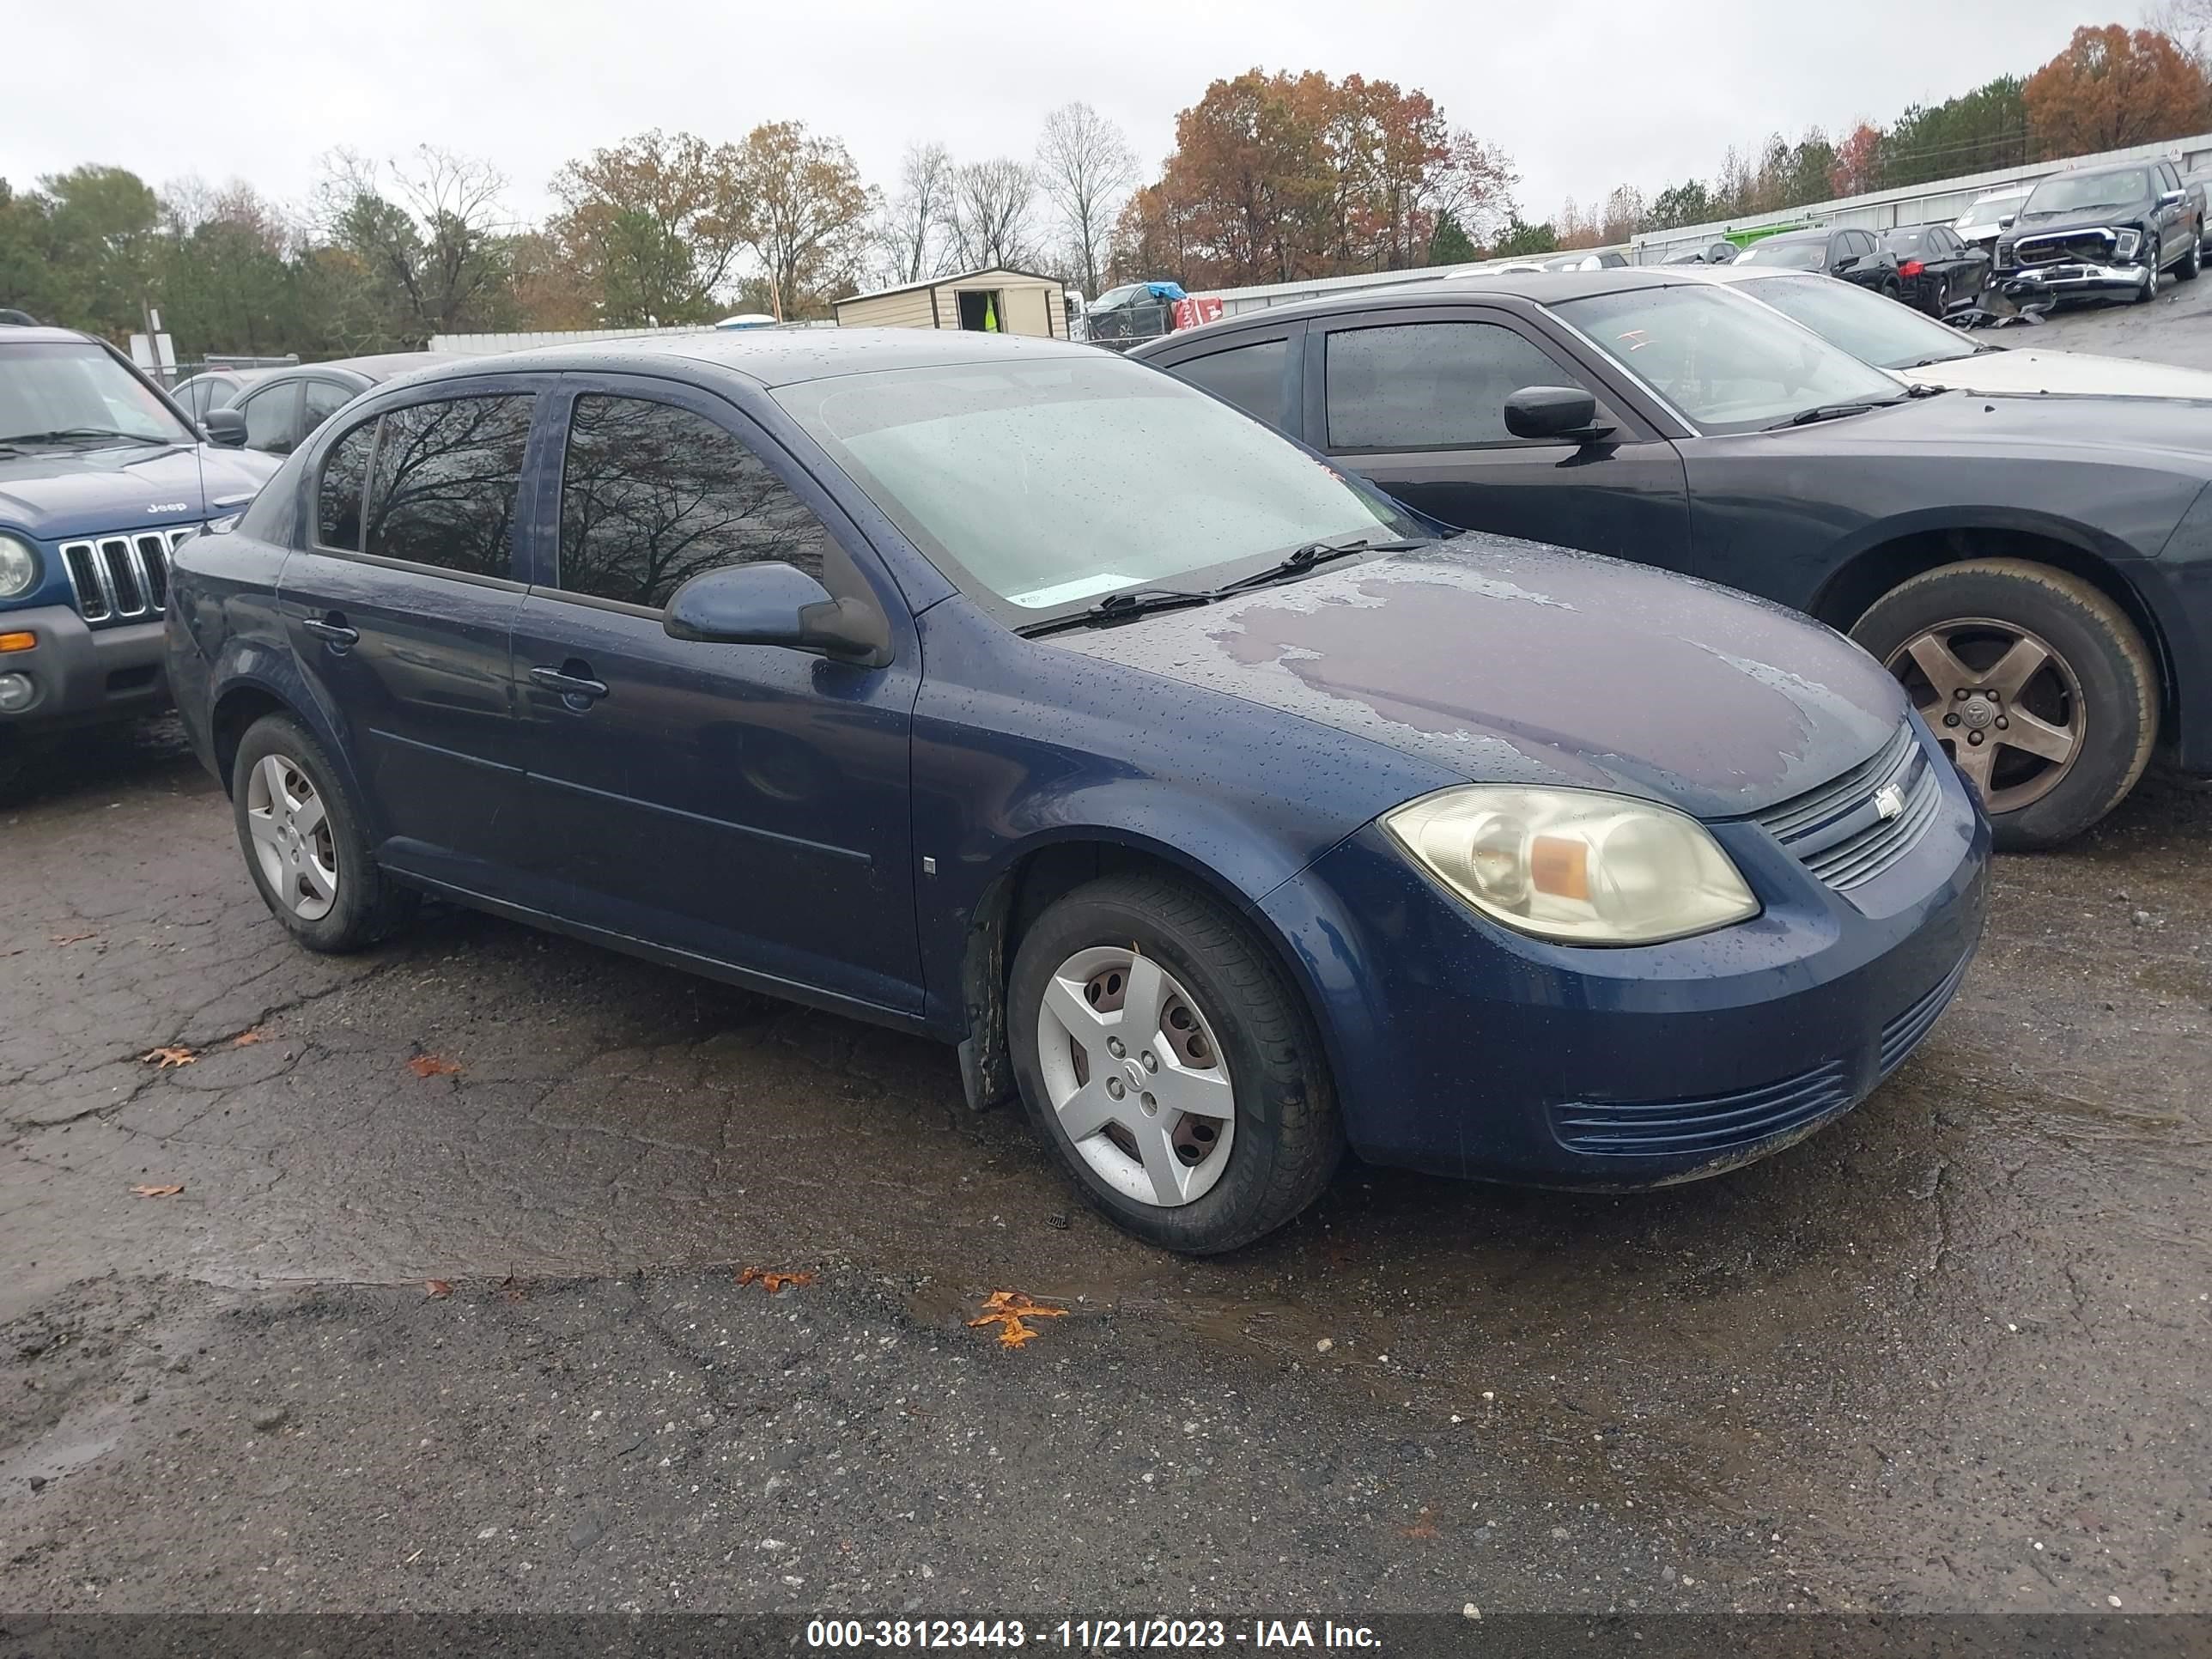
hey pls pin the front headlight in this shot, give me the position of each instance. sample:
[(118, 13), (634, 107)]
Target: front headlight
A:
[(1573, 864), (19, 566), (2125, 244)]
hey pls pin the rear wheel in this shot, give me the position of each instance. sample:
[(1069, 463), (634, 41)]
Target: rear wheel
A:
[(1890, 290), (1161, 1055), (304, 846), (2035, 683)]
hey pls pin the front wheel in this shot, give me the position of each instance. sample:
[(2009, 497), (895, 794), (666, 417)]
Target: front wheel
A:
[(1163, 1057), (2191, 262), (303, 842), (2037, 685), (2148, 289)]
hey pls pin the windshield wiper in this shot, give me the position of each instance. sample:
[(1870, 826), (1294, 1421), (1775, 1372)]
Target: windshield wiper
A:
[(1829, 412), (1120, 607), (1921, 389), (1313, 553), (83, 434)]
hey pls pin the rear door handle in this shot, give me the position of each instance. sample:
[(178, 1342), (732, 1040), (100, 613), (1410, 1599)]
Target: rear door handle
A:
[(577, 691), (333, 631)]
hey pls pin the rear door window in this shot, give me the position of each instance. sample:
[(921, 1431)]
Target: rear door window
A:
[(1430, 386), (444, 486), (338, 489)]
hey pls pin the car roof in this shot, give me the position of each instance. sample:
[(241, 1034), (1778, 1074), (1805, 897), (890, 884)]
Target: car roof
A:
[(784, 357), (1810, 233), (1542, 288), (382, 367), (43, 333)]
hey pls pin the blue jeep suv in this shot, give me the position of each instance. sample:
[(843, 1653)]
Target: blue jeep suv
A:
[(100, 478)]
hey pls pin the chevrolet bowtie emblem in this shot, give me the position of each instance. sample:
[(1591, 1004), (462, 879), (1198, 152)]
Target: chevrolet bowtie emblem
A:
[(1889, 800)]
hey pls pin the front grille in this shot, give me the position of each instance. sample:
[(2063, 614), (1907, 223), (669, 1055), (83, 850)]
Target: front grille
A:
[(2081, 246), (1715, 1124), (1840, 831), (1902, 1035), (122, 577)]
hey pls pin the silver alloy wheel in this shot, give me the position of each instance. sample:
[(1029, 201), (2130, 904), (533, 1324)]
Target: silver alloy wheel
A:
[(1136, 1076), (291, 834)]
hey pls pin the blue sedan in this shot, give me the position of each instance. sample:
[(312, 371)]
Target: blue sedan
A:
[(1004, 691)]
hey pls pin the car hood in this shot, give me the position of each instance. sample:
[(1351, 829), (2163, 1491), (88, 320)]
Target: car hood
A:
[(2026, 370), (2093, 218), (55, 493), (1509, 661)]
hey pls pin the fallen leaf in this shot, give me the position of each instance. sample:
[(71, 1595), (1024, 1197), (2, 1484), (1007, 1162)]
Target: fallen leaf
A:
[(1006, 1309), (509, 1291), (247, 1039), (170, 1191), (1422, 1526), (437, 1287), (162, 1059), (70, 938), (773, 1283), (433, 1065)]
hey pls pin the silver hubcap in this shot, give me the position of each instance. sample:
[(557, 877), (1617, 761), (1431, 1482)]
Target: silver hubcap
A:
[(291, 837), (1135, 1076)]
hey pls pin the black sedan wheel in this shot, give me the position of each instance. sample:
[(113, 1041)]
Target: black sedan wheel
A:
[(2036, 684)]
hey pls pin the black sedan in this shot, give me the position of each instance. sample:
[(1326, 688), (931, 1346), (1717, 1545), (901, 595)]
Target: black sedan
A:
[(1853, 255), (277, 410), (1940, 273), (2038, 573)]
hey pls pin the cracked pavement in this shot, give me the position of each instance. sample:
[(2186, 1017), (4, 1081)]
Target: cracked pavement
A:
[(1950, 1353)]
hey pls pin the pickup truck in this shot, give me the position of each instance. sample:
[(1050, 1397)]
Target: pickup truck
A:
[(100, 476), (2102, 233)]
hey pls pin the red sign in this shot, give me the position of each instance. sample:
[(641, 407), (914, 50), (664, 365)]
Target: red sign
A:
[(1189, 313)]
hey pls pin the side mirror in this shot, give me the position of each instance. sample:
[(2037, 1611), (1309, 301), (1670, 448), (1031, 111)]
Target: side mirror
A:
[(777, 604), (1554, 411), (2005, 223), (2173, 198), (226, 426)]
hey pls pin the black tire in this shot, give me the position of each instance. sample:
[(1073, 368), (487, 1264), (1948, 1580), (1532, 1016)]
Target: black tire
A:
[(2148, 291), (2119, 680), (1890, 290), (368, 905), (2191, 262), (1288, 1138)]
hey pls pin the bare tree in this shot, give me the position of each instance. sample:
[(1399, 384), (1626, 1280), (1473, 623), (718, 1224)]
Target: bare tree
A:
[(431, 228), (920, 218), (1086, 170), (991, 205)]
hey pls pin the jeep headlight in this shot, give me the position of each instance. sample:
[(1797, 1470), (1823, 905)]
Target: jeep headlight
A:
[(1574, 864), (19, 566), (2125, 246)]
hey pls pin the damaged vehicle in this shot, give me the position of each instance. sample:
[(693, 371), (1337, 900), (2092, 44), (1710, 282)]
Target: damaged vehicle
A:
[(2102, 233), (1227, 821)]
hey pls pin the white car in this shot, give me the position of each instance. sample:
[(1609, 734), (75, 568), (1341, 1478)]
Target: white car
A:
[(1978, 227), (1917, 347)]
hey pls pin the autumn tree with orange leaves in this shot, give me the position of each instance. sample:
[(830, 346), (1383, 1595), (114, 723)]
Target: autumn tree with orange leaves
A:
[(2111, 88), (1277, 177)]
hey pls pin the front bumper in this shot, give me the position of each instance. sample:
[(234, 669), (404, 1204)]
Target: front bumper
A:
[(2069, 279), (81, 674), (1463, 1049)]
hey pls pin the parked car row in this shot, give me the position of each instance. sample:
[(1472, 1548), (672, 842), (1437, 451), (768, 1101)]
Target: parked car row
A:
[(952, 681)]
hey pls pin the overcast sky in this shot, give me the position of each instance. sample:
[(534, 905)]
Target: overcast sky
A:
[(1584, 95)]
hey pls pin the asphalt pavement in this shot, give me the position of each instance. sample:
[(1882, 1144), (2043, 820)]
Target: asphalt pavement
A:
[(445, 1312)]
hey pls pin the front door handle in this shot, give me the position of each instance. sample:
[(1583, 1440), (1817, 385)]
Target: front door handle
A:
[(333, 631), (577, 691)]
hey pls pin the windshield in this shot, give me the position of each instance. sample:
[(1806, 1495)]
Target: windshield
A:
[(1990, 209), (1872, 329), (1728, 363), (1905, 241), (1793, 256), (2064, 191), (1044, 485), (73, 386)]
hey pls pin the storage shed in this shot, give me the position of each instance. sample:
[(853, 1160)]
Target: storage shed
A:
[(1010, 301)]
